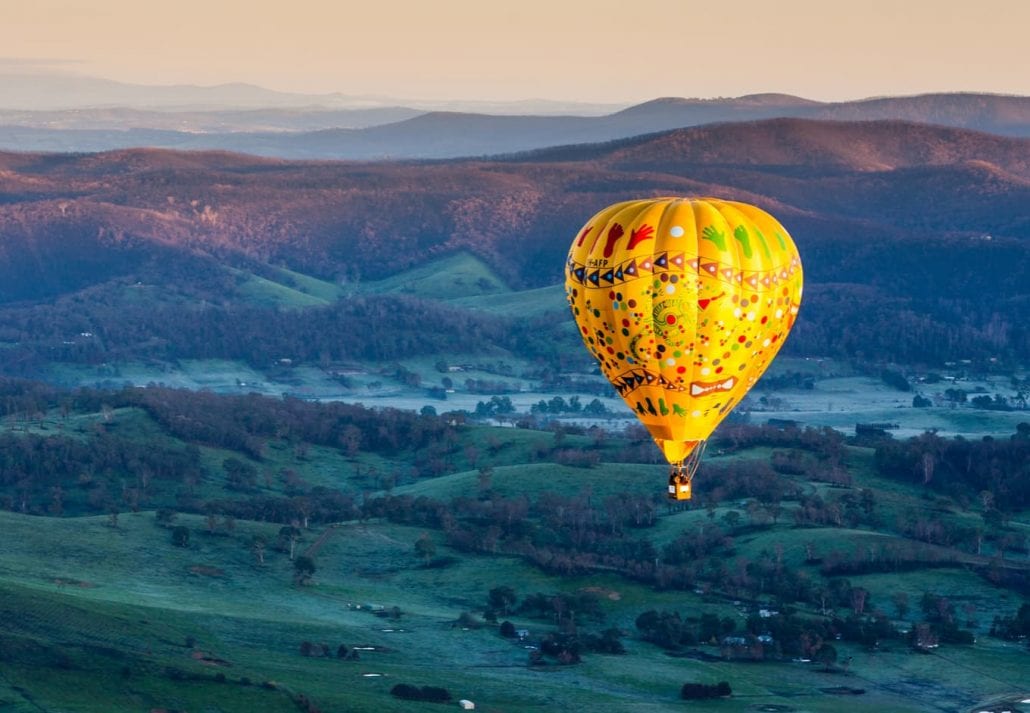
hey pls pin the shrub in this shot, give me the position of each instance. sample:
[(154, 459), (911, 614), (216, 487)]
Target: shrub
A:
[(695, 691), (181, 536), (468, 620), (431, 694)]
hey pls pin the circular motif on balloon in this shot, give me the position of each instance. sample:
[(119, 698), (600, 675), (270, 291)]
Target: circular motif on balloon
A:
[(668, 317)]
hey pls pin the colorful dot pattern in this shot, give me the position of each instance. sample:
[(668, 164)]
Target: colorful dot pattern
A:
[(684, 303)]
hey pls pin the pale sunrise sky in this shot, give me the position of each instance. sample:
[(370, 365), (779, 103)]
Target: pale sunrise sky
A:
[(600, 51)]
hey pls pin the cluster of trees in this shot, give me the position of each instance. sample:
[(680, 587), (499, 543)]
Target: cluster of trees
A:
[(566, 611), (998, 403), (568, 645), (497, 406), (64, 475), (28, 399), (786, 634), (342, 652), (914, 326), (999, 468), (697, 691), (786, 380), (116, 469), (246, 423), (558, 406), (824, 442), (371, 328), (1013, 628), (895, 380), (670, 630), (429, 694)]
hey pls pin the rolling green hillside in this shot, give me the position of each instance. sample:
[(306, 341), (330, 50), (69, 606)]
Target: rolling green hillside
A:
[(521, 303), (286, 288), (154, 625), (460, 275), (103, 611)]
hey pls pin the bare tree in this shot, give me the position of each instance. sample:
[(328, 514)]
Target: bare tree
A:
[(257, 546)]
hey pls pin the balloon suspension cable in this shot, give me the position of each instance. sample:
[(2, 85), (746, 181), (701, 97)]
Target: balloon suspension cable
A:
[(685, 469)]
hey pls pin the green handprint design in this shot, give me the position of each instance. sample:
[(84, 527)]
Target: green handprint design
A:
[(744, 239), (765, 245), (716, 236)]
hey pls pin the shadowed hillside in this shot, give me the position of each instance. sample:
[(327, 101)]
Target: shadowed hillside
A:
[(897, 223), (377, 219)]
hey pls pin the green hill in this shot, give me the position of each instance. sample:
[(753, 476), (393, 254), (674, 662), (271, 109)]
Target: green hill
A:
[(153, 625), (286, 288), (103, 611), (523, 303), (460, 275)]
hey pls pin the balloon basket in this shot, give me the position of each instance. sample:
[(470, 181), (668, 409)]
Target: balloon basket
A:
[(681, 474), (679, 491)]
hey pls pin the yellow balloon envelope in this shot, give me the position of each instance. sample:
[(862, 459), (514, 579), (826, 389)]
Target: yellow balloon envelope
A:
[(684, 303)]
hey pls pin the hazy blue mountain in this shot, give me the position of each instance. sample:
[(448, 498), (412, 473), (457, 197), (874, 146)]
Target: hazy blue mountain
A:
[(207, 121), (405, 133), (51, 91), (64, 91)]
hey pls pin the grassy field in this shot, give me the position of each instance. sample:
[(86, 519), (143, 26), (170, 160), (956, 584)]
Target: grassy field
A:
[(456, 276), (542, 300), (102, 617), (285, 288), (111, 610)]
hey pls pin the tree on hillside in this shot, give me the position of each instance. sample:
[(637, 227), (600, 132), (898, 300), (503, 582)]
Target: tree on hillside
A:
[(484, 478), (425, 547), (181, 536), (826, 655), (900, 603), (165, 516), (303, 570), (239, 475), (501, 599), (695, 691), (257, 546), (287, 540)]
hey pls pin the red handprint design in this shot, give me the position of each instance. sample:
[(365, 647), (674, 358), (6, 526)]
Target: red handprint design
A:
[(644, 232), (614, 233), (583, 235)]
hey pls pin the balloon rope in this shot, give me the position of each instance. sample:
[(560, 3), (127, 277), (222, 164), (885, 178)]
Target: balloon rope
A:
[(693, 461), (684, 470)]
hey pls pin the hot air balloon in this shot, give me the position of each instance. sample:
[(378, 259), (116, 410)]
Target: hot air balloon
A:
[(684, 302)]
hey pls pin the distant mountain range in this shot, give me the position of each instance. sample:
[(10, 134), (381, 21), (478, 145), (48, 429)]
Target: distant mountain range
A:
[(879, 183), (408, 133), (915, 238), (42, 91), (207, 121)]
